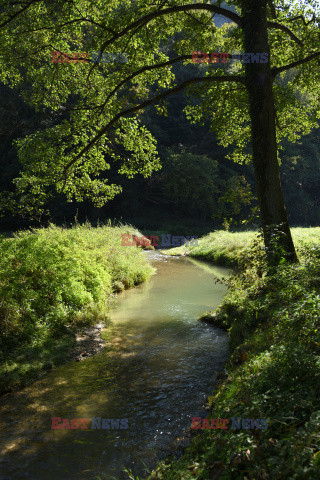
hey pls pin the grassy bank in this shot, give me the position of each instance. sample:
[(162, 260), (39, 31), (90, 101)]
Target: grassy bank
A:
[(53, 282), (273, 372), (229, 249)]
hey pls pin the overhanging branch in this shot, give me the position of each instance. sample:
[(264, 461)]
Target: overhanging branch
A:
[(142, 21), (287, 30), (301, 17), (146, 68), (15, 15), (179, 8), (276, 70), (157, 98)]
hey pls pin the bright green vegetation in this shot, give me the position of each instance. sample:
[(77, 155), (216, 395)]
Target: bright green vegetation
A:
[(221, 247), (230, 249), (70, 149), (54, 281), (273, 371)]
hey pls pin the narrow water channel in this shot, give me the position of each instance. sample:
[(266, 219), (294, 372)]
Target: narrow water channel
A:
[(156, 371)]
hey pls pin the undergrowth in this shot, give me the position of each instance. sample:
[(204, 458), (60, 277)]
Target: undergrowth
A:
[(273, 320), (54, 281)]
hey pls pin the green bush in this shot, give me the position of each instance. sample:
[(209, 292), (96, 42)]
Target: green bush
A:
[(54, 280)]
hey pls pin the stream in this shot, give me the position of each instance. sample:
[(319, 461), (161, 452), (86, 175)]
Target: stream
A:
[(157, 369)]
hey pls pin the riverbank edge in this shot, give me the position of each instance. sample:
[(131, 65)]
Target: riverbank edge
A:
[(83, 344), (83, 340), (274, 354)]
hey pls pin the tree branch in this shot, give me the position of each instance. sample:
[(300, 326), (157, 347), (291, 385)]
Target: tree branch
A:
[(146, 69), (276, 70), (142, 21), (196, 19), (272, 9), (161, 96), (182, 8), (61, 25), (301, 17), (19, 12), (141, 70), (279, 26), (95, 23)]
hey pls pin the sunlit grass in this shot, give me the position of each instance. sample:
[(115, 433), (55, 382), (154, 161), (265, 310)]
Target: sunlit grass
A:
[(227, 248), (54, 281)]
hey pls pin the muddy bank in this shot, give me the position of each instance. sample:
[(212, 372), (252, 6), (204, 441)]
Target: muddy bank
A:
[(89, 342)]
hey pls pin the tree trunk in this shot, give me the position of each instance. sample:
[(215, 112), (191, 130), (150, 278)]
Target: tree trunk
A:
[(276, 230)]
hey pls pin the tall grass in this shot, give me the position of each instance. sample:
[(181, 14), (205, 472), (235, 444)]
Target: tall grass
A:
[(227, 248), (54, 280)]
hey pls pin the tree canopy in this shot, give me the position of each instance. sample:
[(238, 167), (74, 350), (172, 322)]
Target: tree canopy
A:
[(93, 110)]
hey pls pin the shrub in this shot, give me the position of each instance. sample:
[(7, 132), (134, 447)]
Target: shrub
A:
[(48, 276)]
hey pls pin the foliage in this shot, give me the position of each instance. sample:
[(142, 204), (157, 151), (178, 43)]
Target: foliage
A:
[(192, 182), (102, 104), (300, 175), (237, 194), (55, 280), (236, 248), (273, 372)]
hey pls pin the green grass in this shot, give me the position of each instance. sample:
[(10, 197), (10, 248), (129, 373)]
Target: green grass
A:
[(220, 247), (273, 371), (53, 282), (228, 249)]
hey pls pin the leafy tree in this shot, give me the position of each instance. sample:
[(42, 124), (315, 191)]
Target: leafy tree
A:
[(246, 103)]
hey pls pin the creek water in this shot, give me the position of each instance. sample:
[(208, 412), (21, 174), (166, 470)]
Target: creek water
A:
[(156, 371)]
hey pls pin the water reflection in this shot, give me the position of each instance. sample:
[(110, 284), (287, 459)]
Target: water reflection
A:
[(157, 368)]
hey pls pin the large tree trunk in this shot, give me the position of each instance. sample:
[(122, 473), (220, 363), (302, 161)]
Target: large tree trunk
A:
[(264, 143)]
